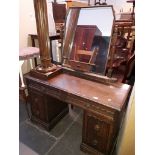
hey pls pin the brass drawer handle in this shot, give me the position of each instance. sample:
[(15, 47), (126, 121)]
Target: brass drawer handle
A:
[(95, 142), (97, 127)]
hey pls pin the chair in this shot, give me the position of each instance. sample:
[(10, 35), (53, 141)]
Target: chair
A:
[(84, 60), (86, 56), (27, 53)]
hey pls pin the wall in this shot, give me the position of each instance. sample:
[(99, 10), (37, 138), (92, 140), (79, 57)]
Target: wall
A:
[(26, 25), (126, 140), (88, 17), (27, 21), (120, 5)]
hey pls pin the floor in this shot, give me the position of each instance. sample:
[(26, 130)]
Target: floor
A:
[(63, 139)]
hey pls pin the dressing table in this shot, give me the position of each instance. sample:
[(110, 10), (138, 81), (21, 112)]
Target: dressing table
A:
[(51, 88)]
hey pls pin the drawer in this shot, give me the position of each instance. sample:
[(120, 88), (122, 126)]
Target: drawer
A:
[(36, 86)]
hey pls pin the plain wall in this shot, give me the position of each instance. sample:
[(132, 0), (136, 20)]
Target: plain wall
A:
[(88, 17)]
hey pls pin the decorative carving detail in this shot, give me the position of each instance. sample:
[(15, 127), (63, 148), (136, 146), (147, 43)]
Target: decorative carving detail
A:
[(97, 127)]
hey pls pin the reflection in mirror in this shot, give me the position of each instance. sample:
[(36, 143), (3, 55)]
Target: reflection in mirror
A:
[(87, 38)]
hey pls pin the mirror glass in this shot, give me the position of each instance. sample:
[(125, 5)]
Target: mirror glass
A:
[(87, 38)]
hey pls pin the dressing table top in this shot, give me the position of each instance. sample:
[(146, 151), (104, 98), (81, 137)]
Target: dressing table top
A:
[(109, 95)]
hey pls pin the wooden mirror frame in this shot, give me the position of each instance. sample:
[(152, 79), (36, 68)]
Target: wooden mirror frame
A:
[(47, 69), (69, 35)]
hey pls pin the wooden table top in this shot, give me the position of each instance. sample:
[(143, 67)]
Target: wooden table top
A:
[(108, 95)]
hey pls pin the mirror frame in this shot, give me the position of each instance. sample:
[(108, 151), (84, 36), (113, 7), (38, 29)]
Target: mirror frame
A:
[(67, 44)]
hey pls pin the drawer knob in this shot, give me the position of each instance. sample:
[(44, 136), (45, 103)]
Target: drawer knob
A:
[(87, 105), (97, 127), (95, 142)]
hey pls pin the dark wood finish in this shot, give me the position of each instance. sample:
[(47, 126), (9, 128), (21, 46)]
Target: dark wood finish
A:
[(112, 51), (46, 110), (84, 37), (130, 66), (121, 50), (40, 7), (100, 64), (70, 27), (81, 66), (59, 12), (85, 60), (83, 55), (103, 103)]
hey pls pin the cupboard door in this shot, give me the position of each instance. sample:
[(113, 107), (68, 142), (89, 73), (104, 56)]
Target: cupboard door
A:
[(37, 105), (97, 132)]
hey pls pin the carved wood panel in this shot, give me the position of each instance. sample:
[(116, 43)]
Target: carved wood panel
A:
[(37, 105), (96, 132)]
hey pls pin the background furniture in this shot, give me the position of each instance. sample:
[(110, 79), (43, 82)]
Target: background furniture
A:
[(123, 49), (84, 51), (59, 14), (27, 53)]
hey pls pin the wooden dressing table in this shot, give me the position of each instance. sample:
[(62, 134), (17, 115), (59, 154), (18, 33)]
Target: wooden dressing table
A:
[(52, 87), (103, 104)]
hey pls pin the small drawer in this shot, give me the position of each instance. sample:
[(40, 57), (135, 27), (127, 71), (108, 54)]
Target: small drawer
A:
[(36, 87)]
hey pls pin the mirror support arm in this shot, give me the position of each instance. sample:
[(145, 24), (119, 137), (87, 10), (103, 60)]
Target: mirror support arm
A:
[(112, 51)]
